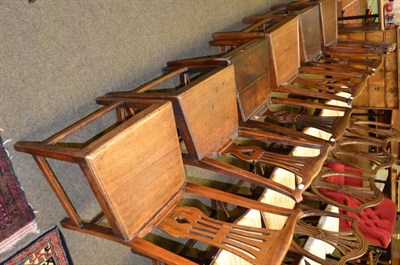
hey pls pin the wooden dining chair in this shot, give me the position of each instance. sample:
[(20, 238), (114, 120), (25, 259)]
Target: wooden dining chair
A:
[(367, 144), (325, 245), (337, 72), (258, 107), (372, 130), (317, 228), (346, 187), (134, 168), (367, 155), (333, 46), (207, 119), (310, 40)]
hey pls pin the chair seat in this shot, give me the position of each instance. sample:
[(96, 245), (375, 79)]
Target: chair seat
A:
[(376, 223)]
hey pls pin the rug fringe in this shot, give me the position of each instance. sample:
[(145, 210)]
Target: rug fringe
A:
[(10, 242)]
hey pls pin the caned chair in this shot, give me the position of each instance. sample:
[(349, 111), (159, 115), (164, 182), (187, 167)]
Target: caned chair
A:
[(258, 106), (207, 119), (135, 171)]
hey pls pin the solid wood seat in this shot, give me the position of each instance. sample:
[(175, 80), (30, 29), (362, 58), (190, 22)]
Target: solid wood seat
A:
[(335, 72), (333, 46), (310, 41), (136, 174), (207, 119)]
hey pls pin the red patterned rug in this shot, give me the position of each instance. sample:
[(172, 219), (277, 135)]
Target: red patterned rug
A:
[(16, 216), (48, 249)]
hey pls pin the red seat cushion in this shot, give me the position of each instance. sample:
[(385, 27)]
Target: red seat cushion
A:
[(376, 223)]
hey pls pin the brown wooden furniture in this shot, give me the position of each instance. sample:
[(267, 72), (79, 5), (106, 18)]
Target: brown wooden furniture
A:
[(284, 54), (368, 141), (134, 168), (347, 246), (332, 43), (383, 88), (368, 195), (255, 96), (337, 73), (357, 151), (311, 46), (207, 118)]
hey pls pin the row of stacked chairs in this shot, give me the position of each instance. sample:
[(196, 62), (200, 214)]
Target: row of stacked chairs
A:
[(277, 101)]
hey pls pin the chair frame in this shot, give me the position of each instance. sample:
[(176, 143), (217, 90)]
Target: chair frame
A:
[(202, 149), (169, 217)]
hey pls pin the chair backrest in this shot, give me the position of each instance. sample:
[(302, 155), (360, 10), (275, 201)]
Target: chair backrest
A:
[(252, 75), (284, 46), (134, 168), (205, 108)]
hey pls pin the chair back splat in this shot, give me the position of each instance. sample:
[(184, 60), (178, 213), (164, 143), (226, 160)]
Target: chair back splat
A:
[(137, 176)]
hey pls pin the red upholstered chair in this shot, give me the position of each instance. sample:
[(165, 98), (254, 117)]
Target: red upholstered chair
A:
[(376, 222), (346, 187)]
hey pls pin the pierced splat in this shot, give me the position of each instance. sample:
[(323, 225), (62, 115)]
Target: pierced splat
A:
[(300, 165), (359, 149), (137, 178), (326, 186), (334, 85), (376, 131), (256, 245), (350, 245), (334, 125)]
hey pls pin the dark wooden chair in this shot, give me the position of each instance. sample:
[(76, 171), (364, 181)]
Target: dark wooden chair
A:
[(135, 171), (207, 118), (255, 100)]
